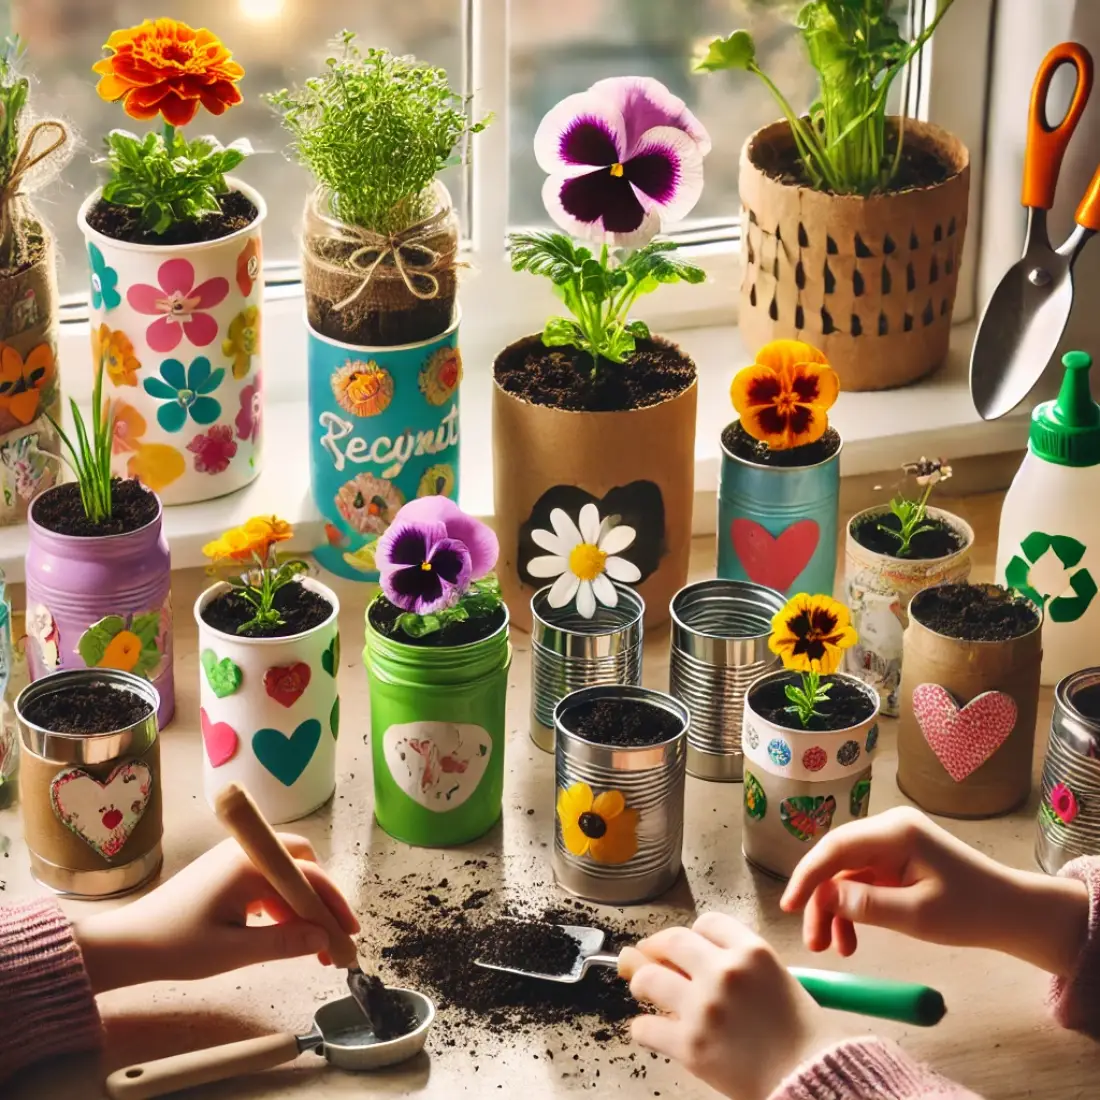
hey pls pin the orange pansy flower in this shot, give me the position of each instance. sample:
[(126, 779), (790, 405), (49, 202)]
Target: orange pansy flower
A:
[(22, 381), (164, 67), (784, 397)]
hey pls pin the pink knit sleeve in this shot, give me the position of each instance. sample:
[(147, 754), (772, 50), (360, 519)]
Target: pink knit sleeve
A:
[(1075, 1001), (47, 1002), (867, 1069)]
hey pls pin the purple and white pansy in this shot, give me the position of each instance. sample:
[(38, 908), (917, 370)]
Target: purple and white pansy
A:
[(624, 159)]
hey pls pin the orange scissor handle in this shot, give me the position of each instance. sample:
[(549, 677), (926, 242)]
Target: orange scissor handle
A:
[(1088, 212), (1046, 144)]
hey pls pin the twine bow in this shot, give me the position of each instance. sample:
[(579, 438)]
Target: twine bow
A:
[(26, 159)]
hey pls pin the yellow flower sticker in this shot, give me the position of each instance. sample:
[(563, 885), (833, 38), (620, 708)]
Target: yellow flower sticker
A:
[(243, 340), (598, 826), (363, 389), (441, 375)]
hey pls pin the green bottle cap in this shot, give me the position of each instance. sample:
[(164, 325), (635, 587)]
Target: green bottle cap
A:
[(1067, 430)]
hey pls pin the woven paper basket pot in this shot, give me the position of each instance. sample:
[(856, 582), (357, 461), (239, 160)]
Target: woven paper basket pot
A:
[(869, 281)]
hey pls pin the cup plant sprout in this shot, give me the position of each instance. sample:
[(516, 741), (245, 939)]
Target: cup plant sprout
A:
[(90, 458), (912, 513)]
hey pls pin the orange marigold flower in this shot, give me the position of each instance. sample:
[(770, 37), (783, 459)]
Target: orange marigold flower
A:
[(784, 397), (266, 530), (235, 545), (164, 67)]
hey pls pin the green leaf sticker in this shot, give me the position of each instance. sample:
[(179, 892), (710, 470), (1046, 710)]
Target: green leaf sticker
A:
[(1069, 552), (756, 801), (224, 677), (130, 646), (807, 816), (334, 719), (860, 798), (330, 659)]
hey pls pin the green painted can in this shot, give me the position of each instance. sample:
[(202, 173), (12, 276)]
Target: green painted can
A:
[(437, 736)]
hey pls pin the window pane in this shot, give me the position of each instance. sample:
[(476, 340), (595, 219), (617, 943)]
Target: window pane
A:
[(279, 42), (562, 47)]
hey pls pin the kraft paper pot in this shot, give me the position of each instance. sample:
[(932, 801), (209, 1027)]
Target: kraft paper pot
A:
[(638, 465), (177, 330), (91, 802), (30, 384), (878, 590), (269, 712), (437, 736), (383, 429), (966, 733), (101, 602), (777, 526), (870, 281), (642, 787), (799, 783)]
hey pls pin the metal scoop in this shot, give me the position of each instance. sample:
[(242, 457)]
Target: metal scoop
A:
[(905, 1002), (339, 1034)]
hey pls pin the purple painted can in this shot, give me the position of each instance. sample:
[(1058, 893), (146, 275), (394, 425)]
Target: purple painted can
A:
[(102, 602)]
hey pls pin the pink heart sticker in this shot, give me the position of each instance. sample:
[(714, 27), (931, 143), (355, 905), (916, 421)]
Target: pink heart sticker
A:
[(220, 739), (963, 739), (774, 560)]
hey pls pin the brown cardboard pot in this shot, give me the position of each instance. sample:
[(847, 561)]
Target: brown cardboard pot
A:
[(934, 663), (870, 281), (638, 464)]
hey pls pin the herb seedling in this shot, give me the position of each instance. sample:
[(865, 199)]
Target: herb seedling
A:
[(90, 459), (927, 473)]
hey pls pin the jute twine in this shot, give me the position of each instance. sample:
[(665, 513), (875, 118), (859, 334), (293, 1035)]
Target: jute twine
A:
[(31, 154)]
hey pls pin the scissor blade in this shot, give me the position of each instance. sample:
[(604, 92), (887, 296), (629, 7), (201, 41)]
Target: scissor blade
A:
[(1020, 331)]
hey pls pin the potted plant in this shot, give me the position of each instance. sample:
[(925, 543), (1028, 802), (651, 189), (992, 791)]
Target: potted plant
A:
[(437, 657), (969, 696), (269, 651), (779, 486), (892, 551), (620, 765), (29, 156), (90, 781), (853, 220), (810, 736), (174, 252), (98, 569), (380, 241)]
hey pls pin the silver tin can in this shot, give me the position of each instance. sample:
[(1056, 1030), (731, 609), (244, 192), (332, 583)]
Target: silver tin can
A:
[(570, 652), (1069, 790), (720, 632), (643, 787), (91, 803)]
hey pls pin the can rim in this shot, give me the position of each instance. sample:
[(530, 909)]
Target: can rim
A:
[(718, 584), (635, 692), (835, 456)]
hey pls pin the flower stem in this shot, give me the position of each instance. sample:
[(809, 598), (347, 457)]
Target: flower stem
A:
[(169, 137)]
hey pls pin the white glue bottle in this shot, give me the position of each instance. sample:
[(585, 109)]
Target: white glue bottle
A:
[(1049, 544)]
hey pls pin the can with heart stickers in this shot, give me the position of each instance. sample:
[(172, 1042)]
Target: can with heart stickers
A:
[(91, 801)]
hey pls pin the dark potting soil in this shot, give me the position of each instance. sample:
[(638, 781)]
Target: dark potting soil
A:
[(384, 617), (122, 223), (738, 442), (383, 328), (623, 723), (939, 542), (848, 705), (60, 510), (561, 378), (300, 608), (390, 1016), (1087, 701), (96, 707), (541, 947), (974, 612)]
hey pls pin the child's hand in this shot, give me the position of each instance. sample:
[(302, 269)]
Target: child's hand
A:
[(733, 1016), (898, 870), (196, 924)]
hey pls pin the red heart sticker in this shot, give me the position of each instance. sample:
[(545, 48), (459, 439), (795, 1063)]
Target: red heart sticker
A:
[(963, 739), (285, 683), (220, 739), (774, 561)]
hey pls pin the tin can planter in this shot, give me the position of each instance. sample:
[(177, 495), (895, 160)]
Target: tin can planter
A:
[(777, 524), (101, 601), (878, 590), (383, 430), (176, 328), (966, 733), (437, 734), (636, 464), (570, 652), (720, 632), (619, 822), (269, 711), (800, 783), (91, 800)]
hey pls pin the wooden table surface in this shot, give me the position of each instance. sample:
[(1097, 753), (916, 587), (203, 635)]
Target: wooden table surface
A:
[(997, 1038)]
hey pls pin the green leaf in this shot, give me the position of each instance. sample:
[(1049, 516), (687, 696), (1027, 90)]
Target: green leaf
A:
[(95, 640), (561, 332), (594, 281), (551, 254), (639, 329), (736, 51)]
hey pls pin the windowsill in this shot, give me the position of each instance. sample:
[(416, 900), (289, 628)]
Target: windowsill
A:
[(880, 431)]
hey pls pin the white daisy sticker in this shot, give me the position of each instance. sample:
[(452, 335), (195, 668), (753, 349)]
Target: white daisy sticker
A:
[(583, 558)]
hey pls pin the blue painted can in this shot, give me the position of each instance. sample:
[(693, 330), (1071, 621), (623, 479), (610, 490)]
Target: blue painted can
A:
[(383, 430), (777, 526)]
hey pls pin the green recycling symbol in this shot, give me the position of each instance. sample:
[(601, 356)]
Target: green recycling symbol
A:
[(1062, 609)]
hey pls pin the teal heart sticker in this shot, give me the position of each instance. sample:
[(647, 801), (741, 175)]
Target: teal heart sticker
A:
[(224, 677), (287, 757), (334, 718)]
